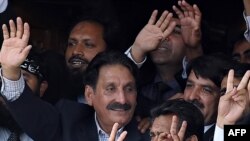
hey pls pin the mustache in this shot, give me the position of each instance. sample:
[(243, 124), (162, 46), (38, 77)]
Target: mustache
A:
[(77, 57), (197, 103), (118, 106)]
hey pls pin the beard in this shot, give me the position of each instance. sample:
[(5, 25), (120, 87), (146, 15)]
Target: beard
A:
[(7, 121)]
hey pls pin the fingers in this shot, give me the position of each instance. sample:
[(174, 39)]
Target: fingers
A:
[(144, 125), (163, 136), (12, 29), (5, 32), (113, 132), (244, 81), (173, 128), (169, 29), (197, 13), (178, 12), (19, 31), (26, 33), (182, 130), (229, 94), (162, 18), (188, 9), (122, 136), (152, 18), (230, 79)]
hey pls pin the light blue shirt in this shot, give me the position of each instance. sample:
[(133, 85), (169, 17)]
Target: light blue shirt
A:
[(102, 135)]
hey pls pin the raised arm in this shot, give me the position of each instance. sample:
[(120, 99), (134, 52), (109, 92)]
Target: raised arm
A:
[(151, 35), (233, 104), (14, 49)]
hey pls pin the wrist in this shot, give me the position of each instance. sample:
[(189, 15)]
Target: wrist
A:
[(137, 54), (11, 73)]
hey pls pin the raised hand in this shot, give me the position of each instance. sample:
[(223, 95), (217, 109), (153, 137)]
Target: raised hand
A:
[(114, 131), (15, 48), (174, 134), (152, 34), (236, 100), (190, 20)]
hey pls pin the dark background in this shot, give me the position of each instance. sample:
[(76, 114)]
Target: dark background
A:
[(49, 19)]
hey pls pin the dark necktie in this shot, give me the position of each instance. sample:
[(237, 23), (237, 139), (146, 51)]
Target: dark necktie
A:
[(13, 137)]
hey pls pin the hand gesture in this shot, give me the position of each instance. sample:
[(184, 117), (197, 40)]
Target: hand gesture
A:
[(14, 48), (236, 100), (190, 20), (174, 135), (114, 131), (151, 35)]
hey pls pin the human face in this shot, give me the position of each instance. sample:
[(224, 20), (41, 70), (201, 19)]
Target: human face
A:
[(85, 41), (32, 81), (204, 94), (171, 50), (241, 52), (114, 98), (161, 124)]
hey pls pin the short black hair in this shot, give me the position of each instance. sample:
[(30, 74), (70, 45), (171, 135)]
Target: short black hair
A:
[(110, 57), (111, 28), (211, 67), (185, 111)]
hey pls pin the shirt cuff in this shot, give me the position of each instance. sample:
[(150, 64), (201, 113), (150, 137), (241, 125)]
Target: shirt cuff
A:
[(12, 90), (247, 32), (128, 53), (218, 134), (184, 66)]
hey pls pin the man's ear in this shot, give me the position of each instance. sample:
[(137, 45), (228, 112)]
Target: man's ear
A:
[(89, 92), (43, 88), (192, 138)]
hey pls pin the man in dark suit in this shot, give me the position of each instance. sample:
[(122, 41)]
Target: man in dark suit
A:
[(203, 87), (110, 88)]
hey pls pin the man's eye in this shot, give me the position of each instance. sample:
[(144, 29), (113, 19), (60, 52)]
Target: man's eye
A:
[(89, 45), (189, 85), (110, 89), (207, 90), (70, 44)]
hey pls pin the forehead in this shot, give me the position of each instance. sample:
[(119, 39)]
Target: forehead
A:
[(200, 80), (115, 72), (162, 123), (87, 27)]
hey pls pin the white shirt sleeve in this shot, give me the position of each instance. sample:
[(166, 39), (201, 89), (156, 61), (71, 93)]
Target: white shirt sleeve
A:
[(128, 53), (218, 134), (247, 32), (12, 90)]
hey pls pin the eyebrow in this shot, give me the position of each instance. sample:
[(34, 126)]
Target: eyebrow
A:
[(247, 51)]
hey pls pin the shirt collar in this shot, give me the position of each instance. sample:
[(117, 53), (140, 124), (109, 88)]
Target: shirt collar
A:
[(102, 133)]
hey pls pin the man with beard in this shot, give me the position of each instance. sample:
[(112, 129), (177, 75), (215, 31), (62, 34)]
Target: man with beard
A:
[(110, 88), (203, 87), (88, 37), (33, 73)]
